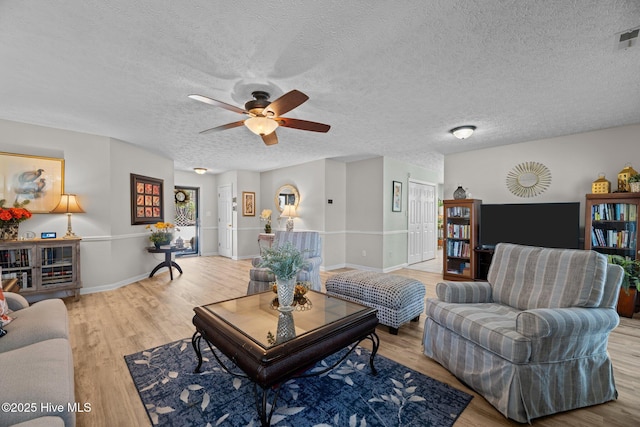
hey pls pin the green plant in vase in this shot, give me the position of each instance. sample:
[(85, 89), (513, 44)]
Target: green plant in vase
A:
[(284, 260), (631, 267), (634, 183)]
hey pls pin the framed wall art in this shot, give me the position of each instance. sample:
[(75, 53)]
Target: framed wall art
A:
[(396, 204), (40, 180), (248, 203), (146, 200)]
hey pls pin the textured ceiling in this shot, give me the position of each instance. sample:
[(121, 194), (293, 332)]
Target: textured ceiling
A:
[(390, 77)]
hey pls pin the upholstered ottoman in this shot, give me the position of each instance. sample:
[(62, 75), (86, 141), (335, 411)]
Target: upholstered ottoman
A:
[(398, 299)]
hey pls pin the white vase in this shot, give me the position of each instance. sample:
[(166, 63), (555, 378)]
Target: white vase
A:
[(286, 290), (635, 187)]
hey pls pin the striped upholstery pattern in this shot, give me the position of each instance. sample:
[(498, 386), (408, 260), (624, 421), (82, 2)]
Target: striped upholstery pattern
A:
[(309, 242), (532, 277), (398, 299), (533, 339)]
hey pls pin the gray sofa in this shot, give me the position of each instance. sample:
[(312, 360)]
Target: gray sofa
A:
[(36, 365), (532, 340)]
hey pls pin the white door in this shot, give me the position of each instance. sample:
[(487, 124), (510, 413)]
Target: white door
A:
[(415, 223), (225, 221), (429, 222), (422, 222)]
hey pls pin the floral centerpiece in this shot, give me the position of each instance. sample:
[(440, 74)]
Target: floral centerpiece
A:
[(284, 260), (10, 218), (265, 216), (161, 233)]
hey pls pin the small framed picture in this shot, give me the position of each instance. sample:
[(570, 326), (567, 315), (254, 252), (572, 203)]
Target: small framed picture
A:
[(396, 203), (248, 203), (146, 200)]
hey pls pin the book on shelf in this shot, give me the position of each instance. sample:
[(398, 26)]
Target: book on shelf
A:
[(458, 212), (614, 212)]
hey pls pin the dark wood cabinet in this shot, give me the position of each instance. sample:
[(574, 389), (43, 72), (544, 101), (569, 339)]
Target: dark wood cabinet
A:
[(461, 219)]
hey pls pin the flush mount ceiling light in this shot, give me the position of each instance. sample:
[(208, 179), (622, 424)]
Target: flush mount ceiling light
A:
[(200, 171), (463, 132)]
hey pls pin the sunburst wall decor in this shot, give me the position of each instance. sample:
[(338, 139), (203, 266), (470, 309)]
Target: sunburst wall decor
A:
[(528, 179)]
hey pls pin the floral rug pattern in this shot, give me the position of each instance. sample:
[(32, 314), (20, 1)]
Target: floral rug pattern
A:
[(348, 395)]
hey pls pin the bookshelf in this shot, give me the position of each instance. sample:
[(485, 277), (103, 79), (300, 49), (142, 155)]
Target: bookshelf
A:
[(42, 266), (461, 219), (611, 228), (611, 223)]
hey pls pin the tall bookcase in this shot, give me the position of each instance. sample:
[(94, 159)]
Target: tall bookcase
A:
[(461, 219), (611, 227), (611, 223), (42, 266)]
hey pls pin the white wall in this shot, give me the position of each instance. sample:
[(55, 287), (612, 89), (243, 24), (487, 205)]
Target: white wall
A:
[(365, 204), (97, 169), (574, 162), (335, 215)]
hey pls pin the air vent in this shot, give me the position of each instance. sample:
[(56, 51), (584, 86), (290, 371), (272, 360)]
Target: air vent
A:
[(627, 39)]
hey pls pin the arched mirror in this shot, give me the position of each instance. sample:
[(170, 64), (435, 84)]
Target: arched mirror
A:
[(287, 195)]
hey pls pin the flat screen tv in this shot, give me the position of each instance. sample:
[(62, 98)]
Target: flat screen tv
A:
[(551, 225)]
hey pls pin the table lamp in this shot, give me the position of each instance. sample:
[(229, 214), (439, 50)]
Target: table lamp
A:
[(289, 212), (69, 205)]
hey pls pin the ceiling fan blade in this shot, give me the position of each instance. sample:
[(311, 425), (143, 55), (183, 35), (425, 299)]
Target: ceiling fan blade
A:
[(270, 139), (286, 103), (303, 124), (223, 127), (217, 103)]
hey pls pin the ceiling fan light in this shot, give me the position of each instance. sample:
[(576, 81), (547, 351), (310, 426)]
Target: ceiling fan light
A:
[(261, 125), (463, 132), (200, 171)]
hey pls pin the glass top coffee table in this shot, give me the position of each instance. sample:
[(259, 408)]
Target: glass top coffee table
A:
[(270, 347)]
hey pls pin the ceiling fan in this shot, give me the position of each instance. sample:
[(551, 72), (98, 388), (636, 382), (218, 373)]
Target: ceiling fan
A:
[(264, 115)]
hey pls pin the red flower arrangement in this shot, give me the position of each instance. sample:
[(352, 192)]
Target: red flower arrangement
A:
[(14, 215)]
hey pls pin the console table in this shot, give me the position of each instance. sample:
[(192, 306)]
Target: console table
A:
[(168, 262)]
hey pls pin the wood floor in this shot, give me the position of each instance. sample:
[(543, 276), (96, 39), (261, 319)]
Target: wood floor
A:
[(109, 325)]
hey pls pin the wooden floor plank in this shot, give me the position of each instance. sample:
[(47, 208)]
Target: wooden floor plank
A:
[(107, 326)]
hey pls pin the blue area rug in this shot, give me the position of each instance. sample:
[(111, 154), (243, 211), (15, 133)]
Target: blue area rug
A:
[(349, 395)]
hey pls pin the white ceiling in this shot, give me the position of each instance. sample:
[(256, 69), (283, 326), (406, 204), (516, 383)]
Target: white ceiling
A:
[(390, 77)]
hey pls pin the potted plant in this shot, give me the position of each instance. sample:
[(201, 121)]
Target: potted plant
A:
[(161, 233), (10, 219), (630, 284), (634, 183), (284, 260)]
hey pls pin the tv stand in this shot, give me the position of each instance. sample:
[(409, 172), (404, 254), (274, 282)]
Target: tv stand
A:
[(484, 255)]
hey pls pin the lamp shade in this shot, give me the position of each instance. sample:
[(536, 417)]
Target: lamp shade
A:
[(200, 171), (261, 125), (289, 211), (463, 132), (68, 204)]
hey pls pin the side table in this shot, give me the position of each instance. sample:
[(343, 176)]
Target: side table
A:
[(168, 262), (265, 240)]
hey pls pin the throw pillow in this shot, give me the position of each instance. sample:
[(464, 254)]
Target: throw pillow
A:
[(4, 310)]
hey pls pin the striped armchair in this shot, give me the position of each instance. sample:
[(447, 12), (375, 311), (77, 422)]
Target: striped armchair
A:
[(309, 243), (532, 339)]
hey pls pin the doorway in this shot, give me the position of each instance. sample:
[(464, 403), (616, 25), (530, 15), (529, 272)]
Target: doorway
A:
[(187, 207), (422, 225), (225, 221)]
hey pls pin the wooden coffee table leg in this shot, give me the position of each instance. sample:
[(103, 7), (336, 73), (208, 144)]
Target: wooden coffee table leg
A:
[(195, 342)]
